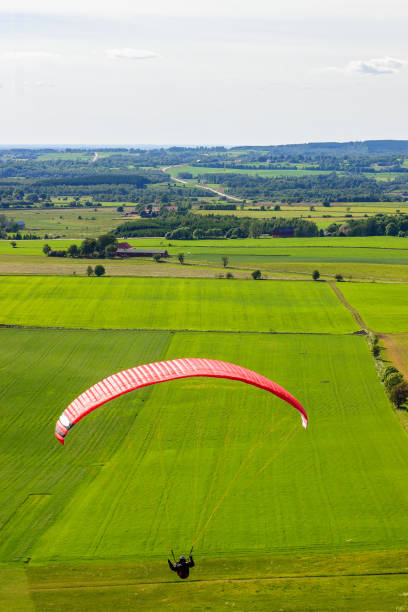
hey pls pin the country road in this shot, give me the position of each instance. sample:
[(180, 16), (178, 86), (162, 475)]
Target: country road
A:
[(220, 193)]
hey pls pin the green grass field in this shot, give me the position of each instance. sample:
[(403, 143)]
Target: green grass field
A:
[(280, 517), (200, 170), (66, 155), (380, 258), (265, 498), (383, 307), (73, 222), (197, 304), (197, 171), (321, 215)]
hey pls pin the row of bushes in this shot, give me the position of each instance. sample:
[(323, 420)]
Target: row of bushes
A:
[(392, 379)]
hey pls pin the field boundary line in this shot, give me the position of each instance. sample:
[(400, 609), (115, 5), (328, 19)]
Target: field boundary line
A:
[(356, 315), (173, 330), (221, 580)]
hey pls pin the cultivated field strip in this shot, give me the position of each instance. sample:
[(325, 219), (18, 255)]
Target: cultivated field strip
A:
[(172, 304), (46, 370), (236, 458), (384, 307)]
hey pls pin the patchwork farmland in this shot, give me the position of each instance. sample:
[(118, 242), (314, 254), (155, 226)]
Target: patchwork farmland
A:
[(236, 458)]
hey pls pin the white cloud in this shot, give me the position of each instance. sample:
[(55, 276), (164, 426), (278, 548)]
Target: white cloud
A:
[(23, 55), (38, 84), (382, 65), (376, 66), (131, 54)]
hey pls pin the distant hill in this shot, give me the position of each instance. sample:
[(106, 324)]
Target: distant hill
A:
[(364, 147)]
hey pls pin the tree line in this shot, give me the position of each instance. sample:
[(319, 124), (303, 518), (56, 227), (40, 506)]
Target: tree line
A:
[(321, 187), (196, 227), (378, 225)]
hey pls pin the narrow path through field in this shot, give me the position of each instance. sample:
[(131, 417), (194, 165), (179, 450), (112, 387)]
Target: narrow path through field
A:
[(358, 318), (220, 193)]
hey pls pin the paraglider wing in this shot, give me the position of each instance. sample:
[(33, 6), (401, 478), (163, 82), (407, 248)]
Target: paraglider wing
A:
[(152, 373)]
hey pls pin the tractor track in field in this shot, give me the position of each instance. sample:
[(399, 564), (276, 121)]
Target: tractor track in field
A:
[(356, 315), (217, 581)]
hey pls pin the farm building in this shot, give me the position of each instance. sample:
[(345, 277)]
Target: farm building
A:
[(286, 231), (124, 249)]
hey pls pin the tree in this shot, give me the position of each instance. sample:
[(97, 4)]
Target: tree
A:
[(225, 261), (157, 257), (119, 209), (88, 247), (255, 229), (399, 394), (256, 275), (338, 278), (99, 270), (393, 379), (103, 241), (13, 244), (46, 249), (388, 370), (180, 257), (391, 229), (316, 275), (89, 271), (73, 250), (229, 275), (110, 250)]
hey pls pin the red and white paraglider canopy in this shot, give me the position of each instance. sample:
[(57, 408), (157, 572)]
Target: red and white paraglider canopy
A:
[(163, 371)]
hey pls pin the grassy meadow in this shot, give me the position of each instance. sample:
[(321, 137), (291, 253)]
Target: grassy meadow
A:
[(196, 304), (86, 514), (371, 258), (323, 216), (280, 517), (69, 223), (297, 170), (198, 171), (383, 307)]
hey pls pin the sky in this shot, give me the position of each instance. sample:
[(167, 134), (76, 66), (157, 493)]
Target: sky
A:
[(202, 72)]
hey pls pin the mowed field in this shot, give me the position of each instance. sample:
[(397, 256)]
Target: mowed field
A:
[(191, 304), (73, 222), (197, 171), (323, 216), (383, 307), (263, 497), (378, 258)]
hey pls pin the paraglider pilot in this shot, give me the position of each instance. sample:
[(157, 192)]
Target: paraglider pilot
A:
[(182, 567)]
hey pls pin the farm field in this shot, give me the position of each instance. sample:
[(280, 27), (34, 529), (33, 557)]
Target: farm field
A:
[(369, 258), (34, 247), (73, 222), (347, 472), (66, 155), (118, 587), (383, 307), (322, 216), (197, 171), (257, 254), (143, 303)]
